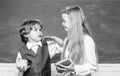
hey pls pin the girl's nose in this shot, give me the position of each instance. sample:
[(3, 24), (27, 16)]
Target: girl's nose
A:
[(63, 23)]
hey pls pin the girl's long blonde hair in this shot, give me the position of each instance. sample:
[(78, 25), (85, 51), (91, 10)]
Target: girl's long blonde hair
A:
[(79, 27)]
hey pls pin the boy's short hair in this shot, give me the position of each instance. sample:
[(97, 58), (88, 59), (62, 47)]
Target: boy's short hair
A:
[(26, 27)]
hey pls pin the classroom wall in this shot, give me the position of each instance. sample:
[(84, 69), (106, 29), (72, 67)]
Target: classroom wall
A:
[(102, 15)]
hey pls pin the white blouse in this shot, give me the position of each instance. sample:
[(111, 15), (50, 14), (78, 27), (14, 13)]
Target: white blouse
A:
[(90, 62)]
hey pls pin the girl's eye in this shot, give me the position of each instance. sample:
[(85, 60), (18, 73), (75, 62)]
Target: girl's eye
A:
[(63, 22)]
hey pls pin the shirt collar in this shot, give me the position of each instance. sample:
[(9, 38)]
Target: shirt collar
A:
[(30, 45)]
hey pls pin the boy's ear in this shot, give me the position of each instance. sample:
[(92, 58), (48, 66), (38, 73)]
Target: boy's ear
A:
[(27, 35)]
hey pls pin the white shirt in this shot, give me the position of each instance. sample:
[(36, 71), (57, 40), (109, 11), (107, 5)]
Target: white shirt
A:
[(52, 47), (90, 63)]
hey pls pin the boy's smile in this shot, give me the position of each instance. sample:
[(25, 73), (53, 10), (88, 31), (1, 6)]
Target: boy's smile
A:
[(35, 34)]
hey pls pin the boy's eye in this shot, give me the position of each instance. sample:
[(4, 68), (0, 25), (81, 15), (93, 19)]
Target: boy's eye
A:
[(35, 29), (40, 29)]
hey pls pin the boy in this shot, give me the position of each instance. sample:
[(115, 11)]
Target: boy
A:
[(33, 59)]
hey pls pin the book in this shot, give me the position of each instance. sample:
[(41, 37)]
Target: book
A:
[(65, 62), (62, 64)]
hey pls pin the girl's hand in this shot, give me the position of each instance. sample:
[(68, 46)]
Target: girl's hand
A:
[(60, 70), (49, 38), (69, 66), (54, 38)]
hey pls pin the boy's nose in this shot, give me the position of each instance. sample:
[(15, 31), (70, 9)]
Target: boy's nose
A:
[(40, 33)]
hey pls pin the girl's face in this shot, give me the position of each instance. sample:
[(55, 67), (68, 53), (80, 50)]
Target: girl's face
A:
[(66, 21), (35, 34)]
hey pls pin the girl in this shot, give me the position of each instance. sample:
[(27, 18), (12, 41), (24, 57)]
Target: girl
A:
[(78, 47)]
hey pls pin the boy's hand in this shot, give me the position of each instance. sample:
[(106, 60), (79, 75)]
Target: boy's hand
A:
[(22, 64)]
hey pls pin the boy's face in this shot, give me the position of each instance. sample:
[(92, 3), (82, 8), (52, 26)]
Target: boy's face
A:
[(35, 34)]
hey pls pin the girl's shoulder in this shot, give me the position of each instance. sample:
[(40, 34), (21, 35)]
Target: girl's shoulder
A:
[(88, 38), (66, 39)]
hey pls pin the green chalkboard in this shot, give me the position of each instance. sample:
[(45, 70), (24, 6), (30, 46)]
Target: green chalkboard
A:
[(103, 16)]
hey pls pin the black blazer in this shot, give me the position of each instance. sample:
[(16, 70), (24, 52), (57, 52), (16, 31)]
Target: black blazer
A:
[(39, 63)]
